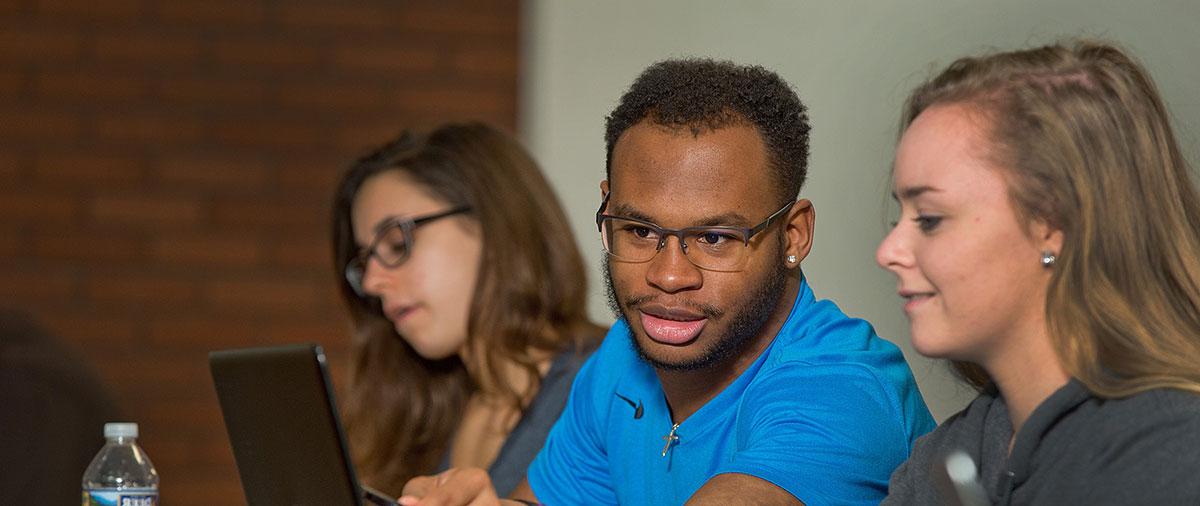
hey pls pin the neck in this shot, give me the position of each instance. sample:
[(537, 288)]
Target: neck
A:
[(513, 376), (1028, 375), (688, 391)]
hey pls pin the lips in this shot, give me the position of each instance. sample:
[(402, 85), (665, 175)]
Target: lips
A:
[(397, 313), (912, 299), (674, 327)]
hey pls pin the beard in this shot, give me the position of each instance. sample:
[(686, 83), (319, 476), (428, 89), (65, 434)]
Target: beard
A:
[(746, 320)]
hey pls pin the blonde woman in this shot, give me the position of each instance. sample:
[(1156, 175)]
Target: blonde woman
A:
[(1049, 243)]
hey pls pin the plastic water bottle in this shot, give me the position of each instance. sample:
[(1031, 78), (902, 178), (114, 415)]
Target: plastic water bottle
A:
[(121, 474)]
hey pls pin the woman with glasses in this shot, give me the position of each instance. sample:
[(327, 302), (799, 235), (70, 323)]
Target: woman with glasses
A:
[(468, 297), (1049, 243)]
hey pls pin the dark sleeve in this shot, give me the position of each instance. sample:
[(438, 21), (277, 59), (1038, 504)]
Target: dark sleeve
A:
[(913, 482)]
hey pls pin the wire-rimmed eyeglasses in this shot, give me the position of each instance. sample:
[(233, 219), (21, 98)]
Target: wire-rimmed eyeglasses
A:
[(391, 245), (715, 248)]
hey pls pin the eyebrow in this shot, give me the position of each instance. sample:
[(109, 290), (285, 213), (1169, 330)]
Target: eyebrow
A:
[(386, 222), (912, 192), (730, 219)]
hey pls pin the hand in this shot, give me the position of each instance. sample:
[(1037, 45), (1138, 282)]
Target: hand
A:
[(469, 486)]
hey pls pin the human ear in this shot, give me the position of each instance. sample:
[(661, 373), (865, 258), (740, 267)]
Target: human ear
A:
[(798, 229)]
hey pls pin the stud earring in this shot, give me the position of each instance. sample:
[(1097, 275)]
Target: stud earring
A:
[(791, 259), (1048, 259)]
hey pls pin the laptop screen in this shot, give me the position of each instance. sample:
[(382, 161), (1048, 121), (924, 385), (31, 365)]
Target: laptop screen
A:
[(283, 425)]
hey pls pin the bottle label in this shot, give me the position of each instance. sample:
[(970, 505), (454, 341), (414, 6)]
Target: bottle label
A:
[(120, 497)]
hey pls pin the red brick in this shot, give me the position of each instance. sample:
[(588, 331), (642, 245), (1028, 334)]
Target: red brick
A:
[(10, 169), (445, 20), (273, 214), (341, 15), (40, 45), (90, 330), (329, 335), (142, 290), (450, 100), (38, 125), (212, 12), (147, 48), (275, 133), (212, 333), (87, 169), (272, 296), (361, 137), (229, 174), (201, 417), (213, 91), (83, 85), (39, 285), (11, 83), (12, 244), (149, 129), (486, 62), (108, 9), (321, 177), (387, 59), (335, 97), (255, 52), (148, 210), (11, 6), (205, 491), (207, 251), (314, 255), (86, 246), (167, 370), (37, 206)]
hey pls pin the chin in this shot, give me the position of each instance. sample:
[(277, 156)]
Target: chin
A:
[(693, 356)]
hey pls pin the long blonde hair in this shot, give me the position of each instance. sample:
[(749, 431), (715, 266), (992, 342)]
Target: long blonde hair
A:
[(401, 410), (1088, 148)]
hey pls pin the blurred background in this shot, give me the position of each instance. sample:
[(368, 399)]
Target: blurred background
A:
[(166, 166)]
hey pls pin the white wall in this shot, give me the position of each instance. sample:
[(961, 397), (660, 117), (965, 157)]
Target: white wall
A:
[(853, 62)]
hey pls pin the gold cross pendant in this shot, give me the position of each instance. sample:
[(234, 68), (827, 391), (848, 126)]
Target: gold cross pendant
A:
[(670, 438)]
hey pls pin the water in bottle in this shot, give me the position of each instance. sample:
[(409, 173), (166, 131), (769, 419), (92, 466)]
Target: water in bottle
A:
[(121, 474)]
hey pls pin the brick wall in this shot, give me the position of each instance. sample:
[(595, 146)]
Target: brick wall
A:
[(166, 170)]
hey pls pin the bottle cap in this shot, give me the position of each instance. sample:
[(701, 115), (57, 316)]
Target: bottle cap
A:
[(120, 429)]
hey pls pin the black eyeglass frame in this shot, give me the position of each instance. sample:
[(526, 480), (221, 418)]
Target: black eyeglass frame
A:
[(356, 268), (664, 233)]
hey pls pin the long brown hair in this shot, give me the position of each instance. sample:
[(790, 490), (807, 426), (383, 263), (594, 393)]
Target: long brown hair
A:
[(1088, 148), (401, 410)]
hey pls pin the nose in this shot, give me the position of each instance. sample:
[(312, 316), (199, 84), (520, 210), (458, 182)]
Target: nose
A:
[(671, 271), (376, 278), (893, 252)]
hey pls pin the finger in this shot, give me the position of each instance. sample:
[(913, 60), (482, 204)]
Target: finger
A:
[(462, 487), (419, 486)]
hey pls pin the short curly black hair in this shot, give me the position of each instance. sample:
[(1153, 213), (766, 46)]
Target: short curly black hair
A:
[(705, 94)]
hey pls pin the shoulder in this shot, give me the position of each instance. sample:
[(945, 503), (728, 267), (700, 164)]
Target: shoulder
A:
[(1141, 449), (826, 357), (1160, 427)]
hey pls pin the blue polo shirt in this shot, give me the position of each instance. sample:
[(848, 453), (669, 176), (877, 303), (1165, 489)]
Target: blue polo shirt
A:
[(827, 412)]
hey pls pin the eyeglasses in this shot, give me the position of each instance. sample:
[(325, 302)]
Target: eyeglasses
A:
[(721, 249), (392, 245)]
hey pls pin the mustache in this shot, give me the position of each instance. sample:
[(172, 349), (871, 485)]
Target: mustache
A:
[(709, 311)]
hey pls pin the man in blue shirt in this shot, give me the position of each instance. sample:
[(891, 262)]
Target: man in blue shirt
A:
[(724, 380)]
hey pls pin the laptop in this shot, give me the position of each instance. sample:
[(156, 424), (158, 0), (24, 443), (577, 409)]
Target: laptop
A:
[(283, 424)]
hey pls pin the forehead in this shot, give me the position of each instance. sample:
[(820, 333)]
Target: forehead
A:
[(385, 195), (674, 173), (945, 146)]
